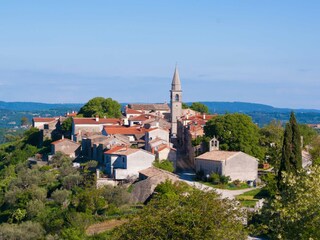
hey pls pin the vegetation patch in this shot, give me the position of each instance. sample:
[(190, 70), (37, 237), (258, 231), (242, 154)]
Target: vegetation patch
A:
[(104, 226)]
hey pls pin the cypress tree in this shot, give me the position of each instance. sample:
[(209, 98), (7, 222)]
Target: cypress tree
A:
[(291, 160)]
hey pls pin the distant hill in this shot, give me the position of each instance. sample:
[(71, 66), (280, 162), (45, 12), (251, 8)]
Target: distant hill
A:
[(261, 114), (33, 106), (214, 107), (243, 107)]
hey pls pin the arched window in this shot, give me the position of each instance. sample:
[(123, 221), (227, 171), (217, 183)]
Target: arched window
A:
[(177, 98)]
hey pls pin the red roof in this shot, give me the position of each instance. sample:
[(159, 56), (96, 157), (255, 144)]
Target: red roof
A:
[(132, 111), (114, 149), (113, 121), (199, 117), (122, 150), (40, 119), (124, 130)]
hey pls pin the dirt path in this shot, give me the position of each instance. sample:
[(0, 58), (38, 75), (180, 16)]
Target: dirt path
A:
[(104, 226)]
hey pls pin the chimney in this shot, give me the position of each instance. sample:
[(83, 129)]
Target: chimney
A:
[(204, 116), (97, 118), (62, 136)]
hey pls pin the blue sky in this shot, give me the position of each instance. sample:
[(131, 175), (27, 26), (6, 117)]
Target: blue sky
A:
[(242, 50)]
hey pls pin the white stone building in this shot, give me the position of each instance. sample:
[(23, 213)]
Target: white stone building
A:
[(236, 165), (123, 162)]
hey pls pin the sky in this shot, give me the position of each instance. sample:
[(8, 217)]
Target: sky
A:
[(261, 51)]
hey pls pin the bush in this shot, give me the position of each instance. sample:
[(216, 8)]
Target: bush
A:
[(164, 165), (215, 178), (224, 179), (237, 182)]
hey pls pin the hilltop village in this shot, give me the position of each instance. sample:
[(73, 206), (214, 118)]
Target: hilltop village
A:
[(107, 173), (145, 133)]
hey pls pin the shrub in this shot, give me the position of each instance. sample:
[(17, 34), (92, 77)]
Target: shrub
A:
[(224, 179), (237, 182), (164, 164), (215, 178)]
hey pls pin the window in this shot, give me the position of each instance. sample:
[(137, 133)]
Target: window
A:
[(177, 98)]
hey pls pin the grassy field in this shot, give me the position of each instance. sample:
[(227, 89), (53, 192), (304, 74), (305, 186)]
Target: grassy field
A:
[(229, 186), (249, 199)]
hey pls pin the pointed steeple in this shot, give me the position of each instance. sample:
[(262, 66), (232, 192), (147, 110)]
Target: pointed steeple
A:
[(176, 84)]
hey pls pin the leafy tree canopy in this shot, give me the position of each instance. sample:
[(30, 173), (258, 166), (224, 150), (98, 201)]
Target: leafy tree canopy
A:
[(271, 138), (199, 107), (185, 106), (294, 213), (67, 125), (103, 107), (308, 134), (236, 132), (191, 215)]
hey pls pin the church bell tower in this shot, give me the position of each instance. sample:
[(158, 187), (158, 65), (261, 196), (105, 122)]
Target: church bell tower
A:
[(175, 102)]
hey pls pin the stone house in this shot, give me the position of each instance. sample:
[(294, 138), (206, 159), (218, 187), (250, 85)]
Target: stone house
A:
[(91, 125), (158, 109), (66, 146), (93, 146), (134, 134), (121, 163), (236, 165)]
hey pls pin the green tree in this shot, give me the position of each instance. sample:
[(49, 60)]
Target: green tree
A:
[(185, 106), (24, 121), (294, 213), (195, 215), (291, 159), (164, 164), (199, 107), (236, 132), (24, 231), (67, 125), (103, 107), (315, 151), (271, 139), (308, 134)]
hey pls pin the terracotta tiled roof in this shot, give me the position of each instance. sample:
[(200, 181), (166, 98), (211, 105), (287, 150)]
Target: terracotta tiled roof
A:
[(142, 117), (124, 130), (121, 150), (132, 111), (150, 107), (153, 129), (66, 140), (40, 119), (114, 121), (217, 155)]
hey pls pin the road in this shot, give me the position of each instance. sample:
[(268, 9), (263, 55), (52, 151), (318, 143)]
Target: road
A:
[(188, 177)]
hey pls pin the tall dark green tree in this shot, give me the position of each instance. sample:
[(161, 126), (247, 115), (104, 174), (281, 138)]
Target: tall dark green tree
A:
[(291, 159)]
